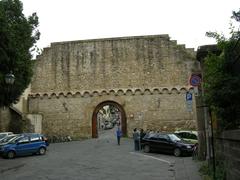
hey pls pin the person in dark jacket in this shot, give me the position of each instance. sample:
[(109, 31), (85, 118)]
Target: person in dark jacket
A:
[(118, 134), (136, 138), (142, 134)]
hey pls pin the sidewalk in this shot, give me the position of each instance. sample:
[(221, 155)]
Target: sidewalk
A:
[(179, 168), (187, 169), (98, 159)]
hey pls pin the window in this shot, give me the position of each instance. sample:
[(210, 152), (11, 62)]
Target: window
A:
[(163, 137), (34, 138), (24, 140), (174, 138)]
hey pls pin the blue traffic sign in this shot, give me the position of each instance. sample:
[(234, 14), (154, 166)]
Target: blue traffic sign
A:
[(195, 80), (188, 96)]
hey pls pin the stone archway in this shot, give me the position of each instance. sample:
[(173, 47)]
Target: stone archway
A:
[(96, 110)]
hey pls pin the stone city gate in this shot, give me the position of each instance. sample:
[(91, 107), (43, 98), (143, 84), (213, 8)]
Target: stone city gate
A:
[(123, 118), (146, 77)]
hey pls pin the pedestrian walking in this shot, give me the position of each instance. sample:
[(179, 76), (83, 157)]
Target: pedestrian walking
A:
[(136, 139), (118, 134)]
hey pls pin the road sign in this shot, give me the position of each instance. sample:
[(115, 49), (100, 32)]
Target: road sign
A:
[(189, 101), (188, 96), (195, 90), (189, 106), (195, 79)]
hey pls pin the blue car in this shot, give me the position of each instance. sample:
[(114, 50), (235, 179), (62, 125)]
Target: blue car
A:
[(26, 144)]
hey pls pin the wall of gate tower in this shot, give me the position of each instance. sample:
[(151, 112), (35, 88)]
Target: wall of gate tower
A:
[(147, 75), (71, 114), (133, 62)]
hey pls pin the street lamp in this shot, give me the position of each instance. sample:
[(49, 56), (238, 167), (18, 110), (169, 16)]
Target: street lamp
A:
[(9, 78)]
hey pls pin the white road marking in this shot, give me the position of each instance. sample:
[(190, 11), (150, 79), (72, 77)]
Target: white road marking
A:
[(159, 159)]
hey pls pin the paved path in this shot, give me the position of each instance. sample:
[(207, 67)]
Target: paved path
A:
[(98, 159)]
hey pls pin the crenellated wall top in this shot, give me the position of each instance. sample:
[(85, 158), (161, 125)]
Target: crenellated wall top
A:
[(116, 92)]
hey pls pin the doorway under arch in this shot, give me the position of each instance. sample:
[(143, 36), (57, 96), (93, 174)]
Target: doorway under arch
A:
[(95, 121)]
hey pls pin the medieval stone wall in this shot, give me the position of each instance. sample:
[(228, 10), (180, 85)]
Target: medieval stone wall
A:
[(228, 151), (5, 118), (71, 114), (147, 75), (134, 62)]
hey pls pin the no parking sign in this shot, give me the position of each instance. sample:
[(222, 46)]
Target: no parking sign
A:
[(195, 79)]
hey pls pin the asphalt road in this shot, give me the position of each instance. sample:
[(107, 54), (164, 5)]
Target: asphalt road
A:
[(98, 159)]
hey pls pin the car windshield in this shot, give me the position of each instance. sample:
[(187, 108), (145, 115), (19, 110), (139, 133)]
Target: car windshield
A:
[(174, 138), (2, 136), (6, 139), (14, 140)]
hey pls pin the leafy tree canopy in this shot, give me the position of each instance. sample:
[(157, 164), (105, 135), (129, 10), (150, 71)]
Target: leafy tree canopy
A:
[(18, 36), (222, 78)]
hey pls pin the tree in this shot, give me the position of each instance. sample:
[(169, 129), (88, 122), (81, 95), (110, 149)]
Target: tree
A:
[(222, 78), (18, 36)]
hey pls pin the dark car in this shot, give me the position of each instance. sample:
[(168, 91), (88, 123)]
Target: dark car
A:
[(26, 144), (166, 143)]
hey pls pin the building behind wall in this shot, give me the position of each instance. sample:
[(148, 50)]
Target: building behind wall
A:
[(146, 75), (14, 118)]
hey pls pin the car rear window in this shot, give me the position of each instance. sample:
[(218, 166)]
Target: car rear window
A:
[(35, 138)]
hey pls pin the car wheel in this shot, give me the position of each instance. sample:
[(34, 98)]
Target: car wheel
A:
[(10, 154), (42, 151), (146, 149), (177, 152)]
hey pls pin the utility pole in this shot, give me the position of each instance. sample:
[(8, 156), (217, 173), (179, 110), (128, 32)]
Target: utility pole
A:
[(201, 115), (202, 108), (201, 128)]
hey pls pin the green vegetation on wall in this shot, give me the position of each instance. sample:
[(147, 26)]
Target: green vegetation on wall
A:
[(222, 78)]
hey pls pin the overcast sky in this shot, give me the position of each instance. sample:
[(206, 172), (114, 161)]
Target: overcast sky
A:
[(186, 21)]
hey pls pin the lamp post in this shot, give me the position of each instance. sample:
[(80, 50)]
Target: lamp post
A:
[(9, 80)]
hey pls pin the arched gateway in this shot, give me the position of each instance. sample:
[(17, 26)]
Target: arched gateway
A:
[(122, 122), (145, 77)]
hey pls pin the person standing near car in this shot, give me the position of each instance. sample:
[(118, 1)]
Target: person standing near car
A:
[(118, 134), (136, 139), (142, 134)]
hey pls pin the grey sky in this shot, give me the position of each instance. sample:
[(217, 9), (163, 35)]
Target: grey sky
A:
[(186, 21)]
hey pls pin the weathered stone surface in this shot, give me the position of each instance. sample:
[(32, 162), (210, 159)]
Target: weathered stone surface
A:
[(5, 117), (228, 150), (147, 75)]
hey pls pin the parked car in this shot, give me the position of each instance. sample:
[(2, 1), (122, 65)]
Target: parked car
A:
[(166, 143), (4, 134), (30, 143), (9, 138), (190, 136)]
